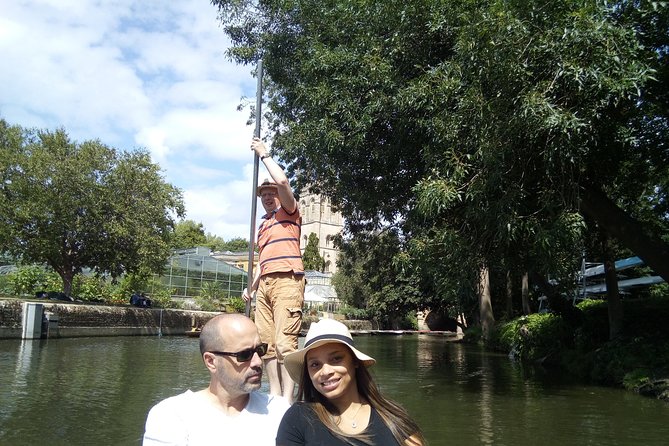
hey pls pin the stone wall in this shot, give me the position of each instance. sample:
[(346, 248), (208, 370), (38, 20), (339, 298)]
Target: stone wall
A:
[(74, 320), (67, 320)]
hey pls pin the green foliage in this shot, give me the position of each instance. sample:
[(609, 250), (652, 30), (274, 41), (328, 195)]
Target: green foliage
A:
[(372, 277), (631, 359), (161, 297), (211, 297), (408, 322), (216, 243), (238, 304), (635, 378), (5, 285), (353, 313), (28, 280), (482, 121), (90, 288), (236, 244), (188, 234), (311, 257), (594, 328), (659, 291), (532, 337), (82, 205), (639, 356)]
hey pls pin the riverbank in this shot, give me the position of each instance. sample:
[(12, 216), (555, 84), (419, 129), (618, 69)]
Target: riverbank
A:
[(637, 360), (64, 319), (77, 319)]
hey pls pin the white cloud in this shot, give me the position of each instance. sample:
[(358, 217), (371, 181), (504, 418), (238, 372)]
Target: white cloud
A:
[(133, 73), (226, 206)]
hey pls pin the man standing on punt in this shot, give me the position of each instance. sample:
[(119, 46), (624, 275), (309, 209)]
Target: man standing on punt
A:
[(279, 279)]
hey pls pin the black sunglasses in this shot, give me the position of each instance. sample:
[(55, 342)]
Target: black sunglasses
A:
[(245, 355)]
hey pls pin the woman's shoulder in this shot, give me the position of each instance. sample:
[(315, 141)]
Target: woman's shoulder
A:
[(301, 407), (296, 426)]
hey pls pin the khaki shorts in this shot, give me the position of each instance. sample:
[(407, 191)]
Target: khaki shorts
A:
[(278, 313)]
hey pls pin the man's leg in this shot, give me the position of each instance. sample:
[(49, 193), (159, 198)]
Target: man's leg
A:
[(271, 366), (289, 298), (287, 384), (264, 319)]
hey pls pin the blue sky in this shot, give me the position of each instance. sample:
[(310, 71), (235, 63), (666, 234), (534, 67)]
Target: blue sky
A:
[(138, 73)]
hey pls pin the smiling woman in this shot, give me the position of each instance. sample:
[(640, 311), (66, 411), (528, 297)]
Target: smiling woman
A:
[(338, 400)]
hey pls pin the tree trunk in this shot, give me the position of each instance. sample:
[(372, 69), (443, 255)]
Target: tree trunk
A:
[(67, 283), (525, 293), (509, 295), (67, 276), (629, 231), (485, 302), (612, 293)]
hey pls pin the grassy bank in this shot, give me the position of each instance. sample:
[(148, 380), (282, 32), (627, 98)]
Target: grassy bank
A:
[(637, 360)]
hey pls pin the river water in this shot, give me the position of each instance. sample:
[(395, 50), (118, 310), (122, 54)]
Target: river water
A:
[(97, 391)]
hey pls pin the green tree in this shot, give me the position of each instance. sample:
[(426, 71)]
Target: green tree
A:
[(373, 275), (235, 245), (188, 234), (82, 205), (311, 258), (511, 123)]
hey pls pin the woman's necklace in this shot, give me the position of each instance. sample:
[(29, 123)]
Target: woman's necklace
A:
[(353, 422)]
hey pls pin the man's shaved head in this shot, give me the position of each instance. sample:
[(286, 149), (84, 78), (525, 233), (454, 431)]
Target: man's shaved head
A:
[(217, 333)]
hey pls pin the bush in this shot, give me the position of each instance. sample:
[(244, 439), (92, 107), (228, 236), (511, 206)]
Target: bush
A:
[(594, 328), (211, 297), (90, 289), (162, 298), (5, 284), (353, 313), (238, 304), (28, 280), (532, 337), (408, 322)]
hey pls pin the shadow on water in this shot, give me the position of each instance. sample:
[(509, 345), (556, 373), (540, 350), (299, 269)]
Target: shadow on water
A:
[(98, 391), (462, 394)]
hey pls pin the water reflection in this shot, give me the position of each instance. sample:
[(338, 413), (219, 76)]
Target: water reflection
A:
[(98, 391)]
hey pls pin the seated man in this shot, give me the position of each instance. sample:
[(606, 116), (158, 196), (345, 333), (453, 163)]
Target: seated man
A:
[(231, 410), (145, 301), (134, 300)]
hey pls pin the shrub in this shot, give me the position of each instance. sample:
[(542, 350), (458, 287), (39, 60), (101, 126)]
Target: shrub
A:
[(5, 284), (211, 297), (162, 298), (532, 337), (27, 280), (594, 328), (238, 304), (89, 288), (353, 313)]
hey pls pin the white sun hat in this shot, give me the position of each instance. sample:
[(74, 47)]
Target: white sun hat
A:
[(322, 332)]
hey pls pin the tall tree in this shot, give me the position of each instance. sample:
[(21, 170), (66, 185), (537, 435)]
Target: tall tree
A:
[(82, 205), (311, 258), (235, 244), (497, 118), (188, 234)]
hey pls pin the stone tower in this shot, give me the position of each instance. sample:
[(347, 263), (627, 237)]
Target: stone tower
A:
[(318, 217)]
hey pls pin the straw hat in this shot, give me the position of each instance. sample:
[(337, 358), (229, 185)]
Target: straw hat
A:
[(322, 332), (266, 184)]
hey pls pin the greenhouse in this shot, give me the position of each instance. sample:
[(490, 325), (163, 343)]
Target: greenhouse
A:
[(189, 270)]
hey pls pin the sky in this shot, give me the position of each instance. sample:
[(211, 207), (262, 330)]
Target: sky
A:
[(138, 74)]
